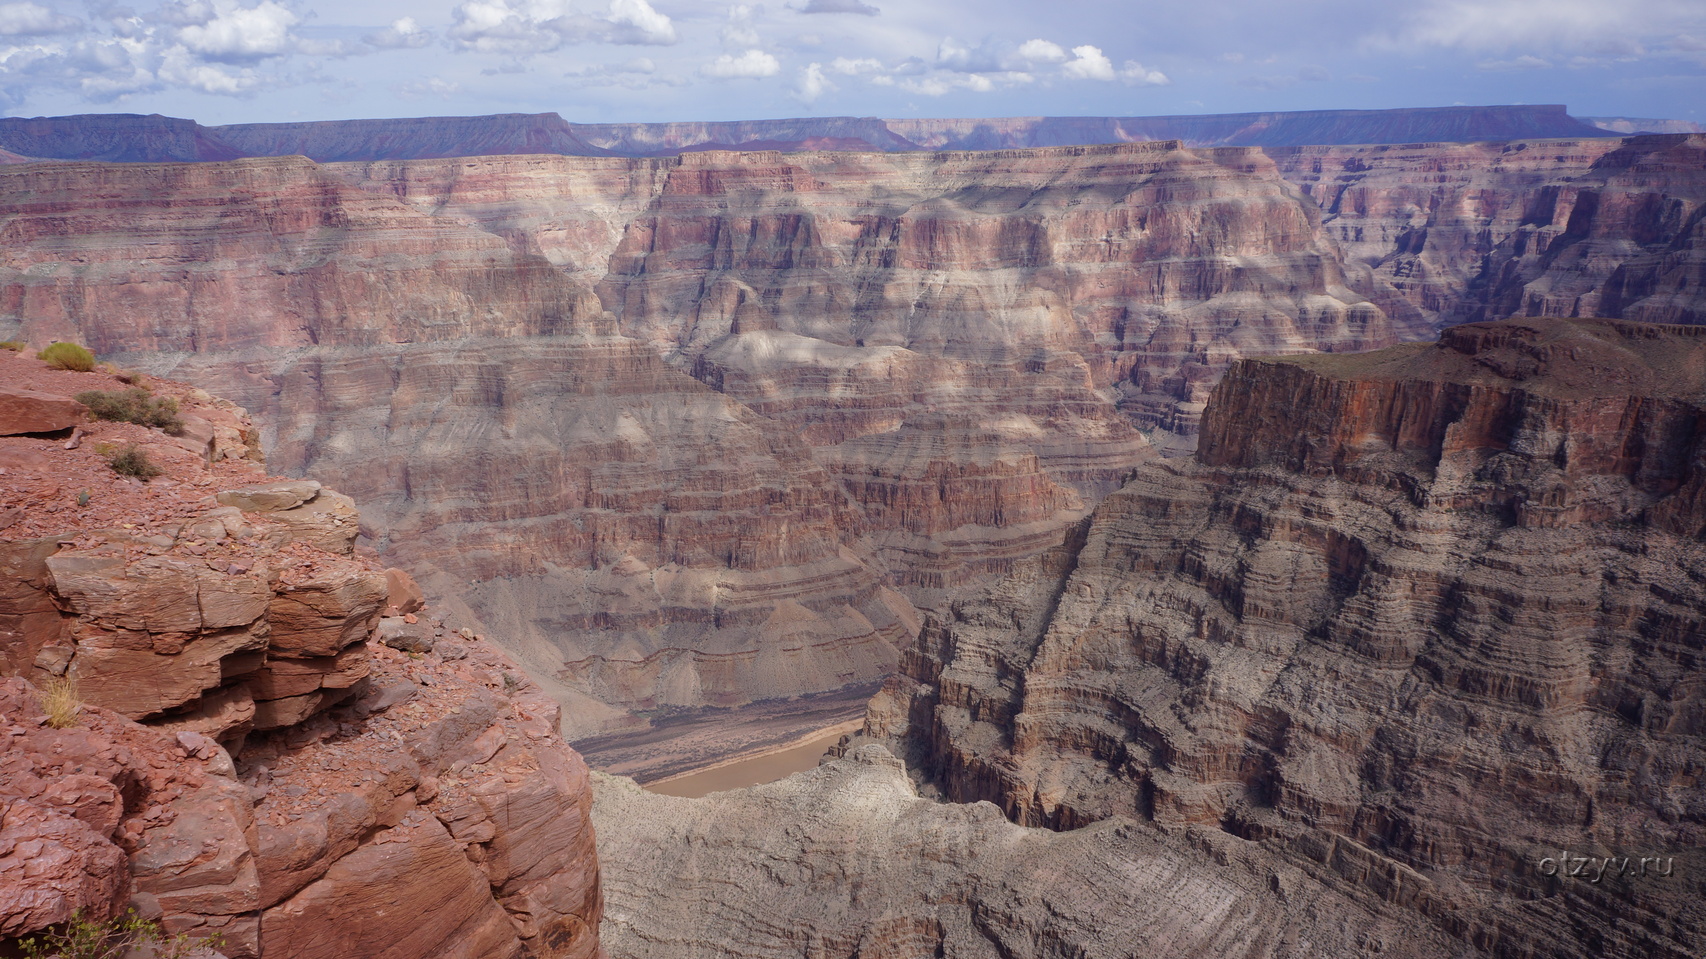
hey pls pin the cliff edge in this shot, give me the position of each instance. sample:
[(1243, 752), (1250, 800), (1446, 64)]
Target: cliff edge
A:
[(219, 713)]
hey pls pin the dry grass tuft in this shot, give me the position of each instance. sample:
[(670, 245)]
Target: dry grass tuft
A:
[(59, 700)]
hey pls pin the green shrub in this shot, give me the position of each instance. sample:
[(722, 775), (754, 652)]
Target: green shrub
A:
[(135, 405), (132, 461), (68, 356), (16, 346), (87, 939)]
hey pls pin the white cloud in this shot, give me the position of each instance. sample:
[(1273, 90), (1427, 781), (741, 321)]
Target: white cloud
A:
[(1088, 63), (954, 55), (1524, 62), (1137, 75), (855, 67), (840, 6), (945, 83), (235, 33), (1042, 51), (428, 87), (527, 27), (34, 20), (179, 68), (1591, 26), (750, 65), (402, 34), (813, 84), (634, 21)]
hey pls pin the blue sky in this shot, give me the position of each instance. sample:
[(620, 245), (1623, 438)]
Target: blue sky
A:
[(226, 61)]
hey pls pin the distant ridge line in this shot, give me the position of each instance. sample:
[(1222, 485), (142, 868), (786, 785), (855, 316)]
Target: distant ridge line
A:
[(129, 138)]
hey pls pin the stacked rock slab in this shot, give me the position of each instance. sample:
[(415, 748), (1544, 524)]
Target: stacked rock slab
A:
[(202, 717), (1424, 621)]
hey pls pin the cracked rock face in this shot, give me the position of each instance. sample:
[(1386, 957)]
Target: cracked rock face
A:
[(1422, 617), (233, 754)]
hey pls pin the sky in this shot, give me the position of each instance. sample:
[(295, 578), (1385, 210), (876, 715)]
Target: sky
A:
[(232, 61)]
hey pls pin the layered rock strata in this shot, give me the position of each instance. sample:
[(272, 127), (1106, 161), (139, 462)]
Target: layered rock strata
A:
[(676, 546), (1429, 618), (747, 397), (848, 861), (221, 714), (1471, 232)]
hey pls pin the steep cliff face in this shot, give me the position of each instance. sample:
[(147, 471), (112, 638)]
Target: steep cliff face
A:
[(742, 392), (1427, 617), (255, 257), (886, 330), (638, 537), (218, 713), (652, 542), (1471, 232), (1042, 276)]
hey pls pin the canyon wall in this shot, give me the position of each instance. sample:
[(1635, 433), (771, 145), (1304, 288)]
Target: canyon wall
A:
[(706, 429), (1425, 619), (694, 431), (1482, 231), (221, 714)]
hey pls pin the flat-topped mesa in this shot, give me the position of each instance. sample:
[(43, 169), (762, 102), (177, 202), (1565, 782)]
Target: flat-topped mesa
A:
[(218, 712), (1415, 620), (1556, 422)]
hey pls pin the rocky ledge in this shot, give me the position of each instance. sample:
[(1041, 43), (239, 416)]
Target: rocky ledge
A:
[(1426, 623), (219, 712)]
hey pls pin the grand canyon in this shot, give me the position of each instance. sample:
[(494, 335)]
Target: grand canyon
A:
[(1259, 535)]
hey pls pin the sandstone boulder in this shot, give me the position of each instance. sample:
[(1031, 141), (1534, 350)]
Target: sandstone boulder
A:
[(270, 497), (29, 411), (405, 594), (398, 633), (323, 615)]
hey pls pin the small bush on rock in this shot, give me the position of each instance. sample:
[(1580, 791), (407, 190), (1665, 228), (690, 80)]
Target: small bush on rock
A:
[(67, 356), (135, 405), (132, 461), (124, 935), (16, 346)]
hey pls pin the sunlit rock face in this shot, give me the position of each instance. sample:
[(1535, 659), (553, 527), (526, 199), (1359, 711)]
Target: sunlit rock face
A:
[(1422, 618)]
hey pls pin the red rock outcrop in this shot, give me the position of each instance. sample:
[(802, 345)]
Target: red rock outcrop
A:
[(1419, 620), (381, 802)]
